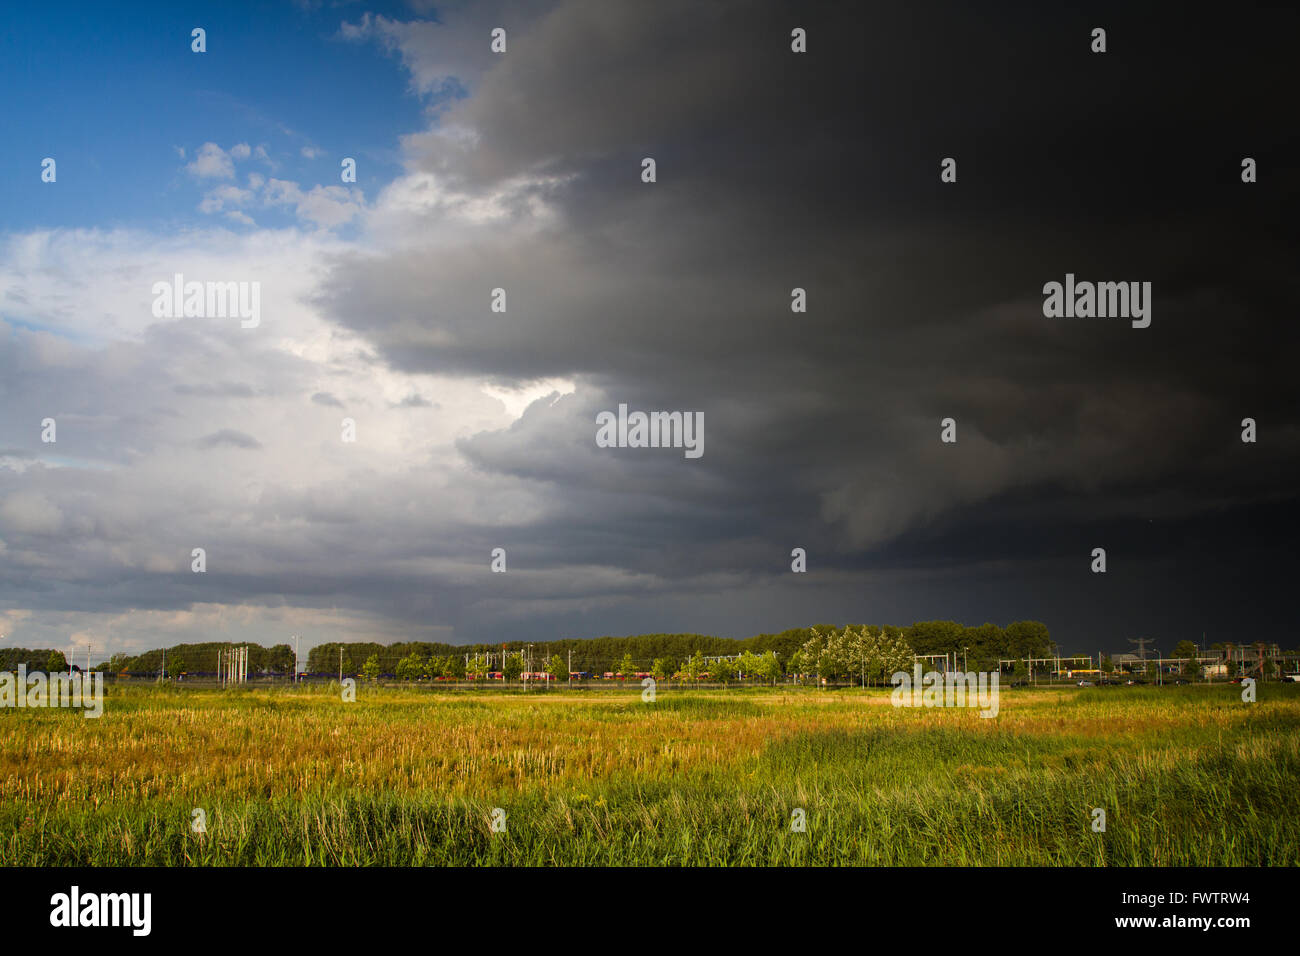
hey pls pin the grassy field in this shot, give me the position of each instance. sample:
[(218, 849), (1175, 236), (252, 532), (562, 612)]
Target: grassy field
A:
[(1186, 775)]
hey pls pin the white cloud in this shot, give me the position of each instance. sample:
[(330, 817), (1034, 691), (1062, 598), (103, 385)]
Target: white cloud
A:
[(324, 206), (517, 398), (218, 199), (212, 162)]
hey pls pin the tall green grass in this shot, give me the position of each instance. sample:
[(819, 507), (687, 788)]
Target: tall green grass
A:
[(1187, 776)]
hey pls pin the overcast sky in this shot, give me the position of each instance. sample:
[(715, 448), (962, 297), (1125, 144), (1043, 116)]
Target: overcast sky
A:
[(522, 170)]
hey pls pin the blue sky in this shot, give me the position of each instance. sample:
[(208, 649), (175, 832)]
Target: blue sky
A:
[(110, 91)]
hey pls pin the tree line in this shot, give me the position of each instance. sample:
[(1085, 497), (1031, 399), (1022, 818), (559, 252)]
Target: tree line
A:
[(180, 658), (833, 651), (867, 652)]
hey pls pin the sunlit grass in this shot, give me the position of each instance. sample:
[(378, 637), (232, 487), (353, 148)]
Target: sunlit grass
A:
[(1186, 775)]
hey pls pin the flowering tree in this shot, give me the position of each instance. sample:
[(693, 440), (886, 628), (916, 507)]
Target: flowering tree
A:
[(863, 652)]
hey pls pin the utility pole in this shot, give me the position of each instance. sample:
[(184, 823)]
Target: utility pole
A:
[(1141, 643), (571, 667), (340, 663), (163, 676)]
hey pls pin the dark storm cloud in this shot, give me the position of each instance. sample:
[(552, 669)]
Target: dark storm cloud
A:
[(822, 171)]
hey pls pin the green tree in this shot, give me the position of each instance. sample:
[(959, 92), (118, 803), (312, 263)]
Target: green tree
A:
[(56, 662), (557, 668), (982, 646), (513, 667), (280, 659), (799, 663), (832, 653), (410, 667), (370, 670), (695, 666), (477, 668), (769, 667), (935, 637), (1186, 651), (453, 668), (1025, 639), (628, 667), (896, 654), (661, 670)]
